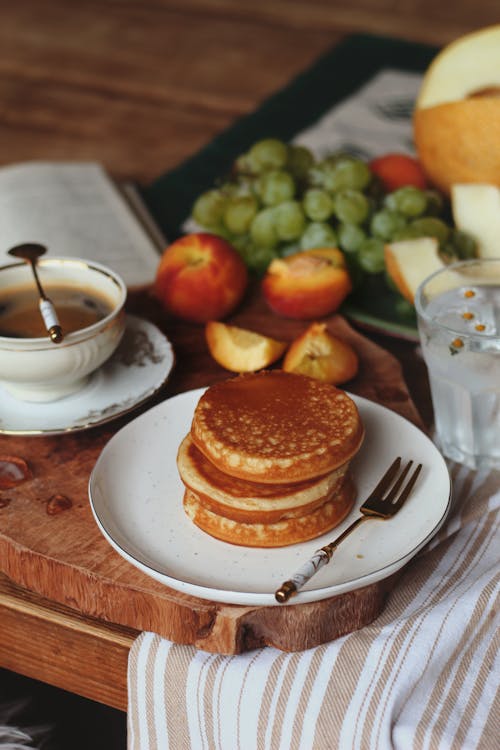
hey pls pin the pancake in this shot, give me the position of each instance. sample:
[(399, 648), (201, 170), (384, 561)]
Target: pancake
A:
[(250, 502), (278, 534), (276, 427)]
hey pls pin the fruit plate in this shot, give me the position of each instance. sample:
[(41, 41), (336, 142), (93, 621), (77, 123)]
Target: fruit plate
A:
[(136, 498), (375, 307), (372, 321)]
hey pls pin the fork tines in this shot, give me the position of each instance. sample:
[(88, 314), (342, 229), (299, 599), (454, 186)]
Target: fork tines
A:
[(397, 502)]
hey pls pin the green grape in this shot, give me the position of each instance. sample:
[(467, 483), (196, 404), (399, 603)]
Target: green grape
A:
[(370, 255), (385, 224), (430, 226), (221, 231), (243, 244), (316, 177), (318, 234), (299, 161), (351, 206), (408, 200), (244, 165), (268, 153), (464, 246), (256, 257), (208, 209), (263, 228), (239, 213), (244, 184), (406, 233), (261, 258), (435, 203), (351, 237), (275, 187), (318, 204), (290, 220), (404, 309), (346, 172)]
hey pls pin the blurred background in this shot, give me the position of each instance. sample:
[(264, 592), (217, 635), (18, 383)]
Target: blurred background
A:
[(120, 80)]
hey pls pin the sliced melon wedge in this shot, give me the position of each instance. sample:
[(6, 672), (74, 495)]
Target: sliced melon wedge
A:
[(409, 262), (476, 210)]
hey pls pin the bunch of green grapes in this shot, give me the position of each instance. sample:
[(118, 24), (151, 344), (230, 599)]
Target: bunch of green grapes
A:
[(280, 200)]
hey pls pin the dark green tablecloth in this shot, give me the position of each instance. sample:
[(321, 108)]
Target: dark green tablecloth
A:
[(333, 77)]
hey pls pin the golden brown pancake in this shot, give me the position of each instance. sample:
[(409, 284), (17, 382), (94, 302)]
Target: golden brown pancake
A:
[(251, 502), (276, 427), (277, 534)]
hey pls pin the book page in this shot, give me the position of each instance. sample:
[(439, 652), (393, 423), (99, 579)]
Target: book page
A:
[(76, 210), (375, 120)]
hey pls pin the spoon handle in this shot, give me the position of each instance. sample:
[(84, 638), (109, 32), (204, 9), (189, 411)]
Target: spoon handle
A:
[(50, 319)]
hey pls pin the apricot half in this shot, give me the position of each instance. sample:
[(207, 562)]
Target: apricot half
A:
[(320, 355), (240, 350), (309, 284)]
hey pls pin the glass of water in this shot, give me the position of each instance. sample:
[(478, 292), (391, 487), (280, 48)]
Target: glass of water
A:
[(458, 312)]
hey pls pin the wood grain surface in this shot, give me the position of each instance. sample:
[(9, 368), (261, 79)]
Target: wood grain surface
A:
[(50, 544), (143, 84)]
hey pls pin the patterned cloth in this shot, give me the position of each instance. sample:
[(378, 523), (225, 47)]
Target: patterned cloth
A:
[(425, 674)]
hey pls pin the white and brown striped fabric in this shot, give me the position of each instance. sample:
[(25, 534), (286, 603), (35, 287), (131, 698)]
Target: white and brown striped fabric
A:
[(425, 674)]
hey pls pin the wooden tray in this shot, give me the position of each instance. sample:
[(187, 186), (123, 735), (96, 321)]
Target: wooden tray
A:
[(50, 544)]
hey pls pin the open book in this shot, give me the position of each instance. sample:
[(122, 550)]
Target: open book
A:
[(76, 210)]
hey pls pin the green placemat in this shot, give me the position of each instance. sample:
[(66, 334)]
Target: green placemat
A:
[(334, 76)]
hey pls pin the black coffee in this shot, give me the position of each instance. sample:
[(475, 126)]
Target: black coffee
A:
[(76, 308)]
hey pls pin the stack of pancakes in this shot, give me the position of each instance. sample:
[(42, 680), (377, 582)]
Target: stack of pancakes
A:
[(266, 461)]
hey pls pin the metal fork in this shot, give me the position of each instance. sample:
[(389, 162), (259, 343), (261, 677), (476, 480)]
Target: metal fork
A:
[(377, 505)]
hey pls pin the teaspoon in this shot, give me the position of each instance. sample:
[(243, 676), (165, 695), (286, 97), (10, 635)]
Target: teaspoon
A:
[(30, 252)]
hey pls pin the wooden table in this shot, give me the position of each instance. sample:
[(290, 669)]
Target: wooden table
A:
[(140, 86)]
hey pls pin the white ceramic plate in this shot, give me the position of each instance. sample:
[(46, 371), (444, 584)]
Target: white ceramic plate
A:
[(136, 497), (136, 371)]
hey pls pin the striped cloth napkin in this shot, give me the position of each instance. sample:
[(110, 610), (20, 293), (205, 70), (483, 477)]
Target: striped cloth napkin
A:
[(425, 674)]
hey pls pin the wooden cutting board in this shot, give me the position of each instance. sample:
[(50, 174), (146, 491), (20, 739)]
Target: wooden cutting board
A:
[(50, 544)]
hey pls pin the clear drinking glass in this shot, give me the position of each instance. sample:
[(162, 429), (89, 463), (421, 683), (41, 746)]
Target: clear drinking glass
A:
[(458, 311)]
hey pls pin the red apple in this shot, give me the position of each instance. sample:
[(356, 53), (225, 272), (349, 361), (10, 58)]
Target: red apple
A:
[(200, 277)]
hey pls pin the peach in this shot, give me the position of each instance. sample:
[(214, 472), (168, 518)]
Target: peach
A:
[(308, 284), (200, 277), (319, 354), (240, 350)]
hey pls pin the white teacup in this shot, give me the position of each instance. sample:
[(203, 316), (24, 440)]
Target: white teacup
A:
[(89, 296)]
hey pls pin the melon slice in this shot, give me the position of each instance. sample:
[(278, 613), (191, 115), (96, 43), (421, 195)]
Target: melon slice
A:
[(409, 262), (476, 210), (457, 114), (469, 66)]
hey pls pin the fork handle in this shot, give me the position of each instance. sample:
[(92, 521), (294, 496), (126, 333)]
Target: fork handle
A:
[(320, 558)]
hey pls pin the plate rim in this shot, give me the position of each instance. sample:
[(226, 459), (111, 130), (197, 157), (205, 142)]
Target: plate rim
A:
[(260, 599)]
